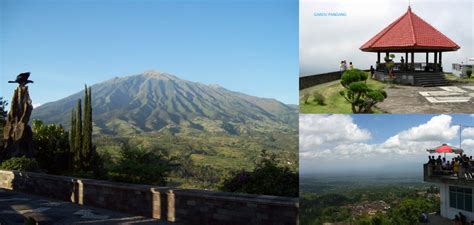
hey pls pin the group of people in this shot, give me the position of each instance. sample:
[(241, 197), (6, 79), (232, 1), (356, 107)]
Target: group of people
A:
[(460, 219), (462, 163), (343, 66)]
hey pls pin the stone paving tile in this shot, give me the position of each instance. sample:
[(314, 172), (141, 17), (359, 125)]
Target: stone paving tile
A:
[(453, 89), (448, 99), (437, 93), (469, 87), (16, 207), (411, 99)]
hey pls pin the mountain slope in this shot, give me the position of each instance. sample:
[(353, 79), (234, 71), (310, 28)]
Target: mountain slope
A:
[(153, 101)]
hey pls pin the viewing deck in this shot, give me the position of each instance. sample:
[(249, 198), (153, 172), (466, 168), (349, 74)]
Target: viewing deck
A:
[(446, 177)]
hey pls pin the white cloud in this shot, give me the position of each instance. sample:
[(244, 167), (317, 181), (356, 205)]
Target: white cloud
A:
[(437, 128), (468, 132), (468, 145), (35, 105), (322, 130), (325, 41)]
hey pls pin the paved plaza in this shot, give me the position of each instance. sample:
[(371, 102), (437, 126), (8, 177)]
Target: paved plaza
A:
[(16, 207), (447, 99)]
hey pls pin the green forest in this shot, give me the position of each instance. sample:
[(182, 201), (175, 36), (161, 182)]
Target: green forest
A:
[(376, 203)]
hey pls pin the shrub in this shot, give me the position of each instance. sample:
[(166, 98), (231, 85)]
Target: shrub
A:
[(305, 98), (30, 221), (358, 93), (319, 98), (268, 178), (20, 163), (469, 73)]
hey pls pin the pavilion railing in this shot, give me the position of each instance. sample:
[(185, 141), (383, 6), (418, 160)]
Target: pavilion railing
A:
[(404, 67)]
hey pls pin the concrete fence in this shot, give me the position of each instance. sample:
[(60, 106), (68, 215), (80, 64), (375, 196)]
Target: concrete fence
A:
[(168, 204), (309, 81)]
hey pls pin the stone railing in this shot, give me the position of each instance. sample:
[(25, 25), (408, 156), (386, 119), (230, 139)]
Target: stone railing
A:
[(168, 204)]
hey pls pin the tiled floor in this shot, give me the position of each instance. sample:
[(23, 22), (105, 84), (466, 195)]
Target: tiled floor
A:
[(16, 207)]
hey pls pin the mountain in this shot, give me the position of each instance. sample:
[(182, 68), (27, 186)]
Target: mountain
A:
[(154, 101)]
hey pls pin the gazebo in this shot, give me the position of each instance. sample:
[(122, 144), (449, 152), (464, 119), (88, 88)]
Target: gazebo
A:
[(408, 35)]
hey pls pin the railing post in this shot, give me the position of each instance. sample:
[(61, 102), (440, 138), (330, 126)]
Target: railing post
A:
[(156, 204), (171, 207)]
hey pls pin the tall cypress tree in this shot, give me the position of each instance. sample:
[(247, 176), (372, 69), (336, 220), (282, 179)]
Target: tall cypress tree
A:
[(87, 129), (78, 135), (81, 133), (72, 140)]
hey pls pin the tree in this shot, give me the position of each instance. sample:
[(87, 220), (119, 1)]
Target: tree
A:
[(3, 116), (87, 128), (78, 137), (409, 210), (390, 64), (85, 155), (72, 140), (52, 145), (358, 93), (141, 166), (3, 110), (268, 178)]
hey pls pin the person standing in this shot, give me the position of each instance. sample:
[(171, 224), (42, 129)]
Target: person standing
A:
[(372, 72), (351, 66), (342, 67), (456, 167)]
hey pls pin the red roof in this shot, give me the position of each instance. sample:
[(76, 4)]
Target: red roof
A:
[(409, 32)]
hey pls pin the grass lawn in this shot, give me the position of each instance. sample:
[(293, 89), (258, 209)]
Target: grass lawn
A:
[(334, 102), (451, 77)]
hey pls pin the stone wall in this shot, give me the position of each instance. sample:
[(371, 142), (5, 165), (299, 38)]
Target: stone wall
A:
[(309, 81), (175, 205)]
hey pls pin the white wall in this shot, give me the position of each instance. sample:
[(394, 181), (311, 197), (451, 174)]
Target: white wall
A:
[(447, 211)]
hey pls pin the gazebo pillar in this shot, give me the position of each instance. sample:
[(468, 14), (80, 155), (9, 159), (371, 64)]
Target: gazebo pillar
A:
[(406, 60), (427, 61), (436, 61), (378, 56), (440, 61), (413, 60)]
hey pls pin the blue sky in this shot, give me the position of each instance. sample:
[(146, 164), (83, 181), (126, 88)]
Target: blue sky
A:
[(245, 46), (361, 142)]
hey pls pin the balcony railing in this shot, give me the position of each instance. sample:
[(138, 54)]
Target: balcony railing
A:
[(435, 171)]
